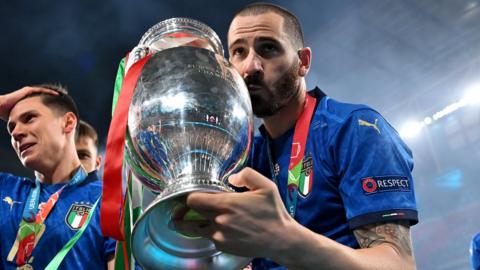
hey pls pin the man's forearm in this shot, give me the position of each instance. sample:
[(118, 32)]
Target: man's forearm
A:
[(305, 249)]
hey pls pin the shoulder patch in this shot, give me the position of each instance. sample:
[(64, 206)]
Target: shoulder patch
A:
[(372, 185)]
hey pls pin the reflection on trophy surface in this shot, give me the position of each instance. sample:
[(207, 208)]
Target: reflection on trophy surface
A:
[(189, 127)]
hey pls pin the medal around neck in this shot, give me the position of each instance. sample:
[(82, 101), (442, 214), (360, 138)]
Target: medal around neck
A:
[(190, 126)]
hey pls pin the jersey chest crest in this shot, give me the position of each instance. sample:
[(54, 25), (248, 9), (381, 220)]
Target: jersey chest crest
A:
[(306, 179), (77, 215)]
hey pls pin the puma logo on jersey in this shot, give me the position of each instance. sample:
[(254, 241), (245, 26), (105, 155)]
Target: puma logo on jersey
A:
[(367, 124), (10, 202)]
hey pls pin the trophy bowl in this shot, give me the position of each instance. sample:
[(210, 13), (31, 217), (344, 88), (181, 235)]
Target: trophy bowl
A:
[(190, 126)]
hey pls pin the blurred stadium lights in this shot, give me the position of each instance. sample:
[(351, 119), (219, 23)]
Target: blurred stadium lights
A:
[(412, 129), (472, 95), (450, 179)]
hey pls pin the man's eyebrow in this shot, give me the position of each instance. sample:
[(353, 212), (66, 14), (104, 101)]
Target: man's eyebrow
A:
[(83, 151), (264, 39), (237, 41)]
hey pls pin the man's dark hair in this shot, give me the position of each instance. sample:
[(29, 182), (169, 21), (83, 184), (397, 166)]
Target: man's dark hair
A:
[(291, 24), (61, 103), (87, 131)]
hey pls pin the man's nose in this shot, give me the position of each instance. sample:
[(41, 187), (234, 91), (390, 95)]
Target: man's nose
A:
[(252, 66), (18, 133)]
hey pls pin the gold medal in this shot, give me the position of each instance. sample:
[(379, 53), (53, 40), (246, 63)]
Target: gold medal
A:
[(25, 267)]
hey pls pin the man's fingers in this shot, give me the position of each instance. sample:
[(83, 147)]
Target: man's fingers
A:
[(203, 202), (249, 178), (212, 204), (194, 228), (200, 229), (8, 101), (34, 89)]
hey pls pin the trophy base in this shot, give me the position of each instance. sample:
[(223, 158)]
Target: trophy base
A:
[(157, 244)]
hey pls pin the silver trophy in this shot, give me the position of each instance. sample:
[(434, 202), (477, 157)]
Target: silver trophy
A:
[(189, 127)]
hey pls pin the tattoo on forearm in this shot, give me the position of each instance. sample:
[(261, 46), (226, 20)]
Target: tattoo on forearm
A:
[(395, 233)]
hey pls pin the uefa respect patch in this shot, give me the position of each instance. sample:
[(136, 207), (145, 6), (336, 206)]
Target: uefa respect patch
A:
[(372, 185)]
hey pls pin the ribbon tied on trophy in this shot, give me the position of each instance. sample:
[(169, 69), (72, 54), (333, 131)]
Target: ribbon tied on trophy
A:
[(183, 123)]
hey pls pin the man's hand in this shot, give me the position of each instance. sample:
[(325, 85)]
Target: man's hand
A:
[(8, 101), (250, 224)]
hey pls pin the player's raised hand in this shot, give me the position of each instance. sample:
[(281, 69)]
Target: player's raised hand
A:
[(8, 101)]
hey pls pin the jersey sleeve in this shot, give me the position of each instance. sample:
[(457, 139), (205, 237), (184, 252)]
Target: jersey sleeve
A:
[(109, 246), (475, 252), (375, 170)]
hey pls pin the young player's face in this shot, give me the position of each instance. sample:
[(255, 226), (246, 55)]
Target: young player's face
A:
[(88, 153), (37, 134), (261, 52)]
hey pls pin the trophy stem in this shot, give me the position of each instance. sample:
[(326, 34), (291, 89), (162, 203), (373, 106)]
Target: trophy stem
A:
[(155, 233)]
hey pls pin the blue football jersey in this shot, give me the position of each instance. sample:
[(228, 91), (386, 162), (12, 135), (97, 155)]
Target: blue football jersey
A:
[(357, 171), (475, 252), (65, 219)]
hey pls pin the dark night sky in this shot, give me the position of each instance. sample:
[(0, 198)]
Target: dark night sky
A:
[(406, 58), (80, 43)]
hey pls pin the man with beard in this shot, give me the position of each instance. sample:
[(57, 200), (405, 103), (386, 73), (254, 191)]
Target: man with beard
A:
[(50, 220), (330, 185)]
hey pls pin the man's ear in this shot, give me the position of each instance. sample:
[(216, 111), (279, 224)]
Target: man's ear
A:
[(98, 162), (305, 57), (69, 122)]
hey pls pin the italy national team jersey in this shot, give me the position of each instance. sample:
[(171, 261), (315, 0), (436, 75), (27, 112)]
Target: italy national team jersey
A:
[(65, 219), (357, 172), (475, 252)]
